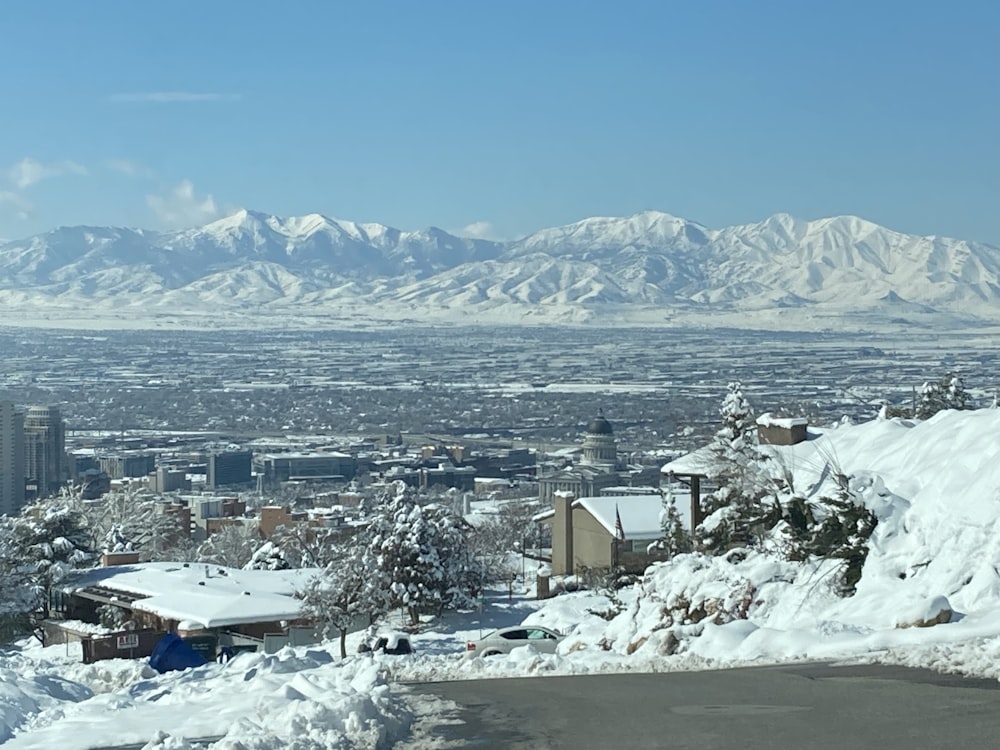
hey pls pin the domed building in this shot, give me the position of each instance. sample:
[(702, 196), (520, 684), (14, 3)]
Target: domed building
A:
[(600, 449), (598, 468)]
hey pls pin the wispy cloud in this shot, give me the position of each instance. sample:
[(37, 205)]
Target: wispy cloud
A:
[(129, 168), (181, 206), (477, 230), (171, 97), (18, 205), (28, 171)]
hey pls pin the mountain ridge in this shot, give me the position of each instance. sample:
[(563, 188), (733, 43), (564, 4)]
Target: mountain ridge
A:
[(651, 267)]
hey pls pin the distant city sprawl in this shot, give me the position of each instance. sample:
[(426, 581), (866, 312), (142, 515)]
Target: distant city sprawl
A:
[(540, 385)]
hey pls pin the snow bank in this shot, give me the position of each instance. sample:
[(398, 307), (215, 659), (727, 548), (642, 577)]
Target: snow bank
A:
[(24, 697), (304, 697)]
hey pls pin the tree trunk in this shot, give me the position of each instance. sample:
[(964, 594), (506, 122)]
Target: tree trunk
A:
[(343, 644)]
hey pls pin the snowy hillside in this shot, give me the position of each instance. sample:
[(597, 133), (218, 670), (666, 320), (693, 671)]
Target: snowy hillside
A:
[(651, 268)]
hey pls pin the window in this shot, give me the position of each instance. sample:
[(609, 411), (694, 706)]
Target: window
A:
[(539, 635), (515, 635)]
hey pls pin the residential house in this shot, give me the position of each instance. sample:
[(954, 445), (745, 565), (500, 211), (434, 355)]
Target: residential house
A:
[(585, 531), (244, 605)]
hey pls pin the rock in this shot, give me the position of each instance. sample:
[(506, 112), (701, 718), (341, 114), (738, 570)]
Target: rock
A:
[(938, 611)]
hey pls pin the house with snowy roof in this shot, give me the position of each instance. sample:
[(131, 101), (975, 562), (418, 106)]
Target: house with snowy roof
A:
[(603, 532), (168, 597)]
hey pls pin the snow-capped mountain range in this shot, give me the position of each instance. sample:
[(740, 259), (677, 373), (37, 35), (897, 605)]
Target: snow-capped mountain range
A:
[(651, 268)]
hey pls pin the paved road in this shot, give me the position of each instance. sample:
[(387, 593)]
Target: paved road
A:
[(805, 707)]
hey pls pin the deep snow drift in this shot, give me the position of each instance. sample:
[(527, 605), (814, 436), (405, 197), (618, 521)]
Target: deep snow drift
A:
[(934, 555)]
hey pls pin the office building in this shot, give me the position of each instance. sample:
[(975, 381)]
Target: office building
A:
[(45, 465), (11, 459), (229, 467), (128, 465), (315, 467)]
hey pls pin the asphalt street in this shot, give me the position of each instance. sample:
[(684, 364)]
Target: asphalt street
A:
[(803, 707)]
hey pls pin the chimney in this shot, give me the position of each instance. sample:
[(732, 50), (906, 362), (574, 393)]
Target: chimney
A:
[(109, 559), (562, 533)]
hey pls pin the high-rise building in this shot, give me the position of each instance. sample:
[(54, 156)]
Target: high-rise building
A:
[(229, 467), (129, 464), (11, 459), (44, 449)]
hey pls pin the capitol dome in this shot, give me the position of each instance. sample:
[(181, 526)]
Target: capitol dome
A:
[(599, 446), (599, 426)]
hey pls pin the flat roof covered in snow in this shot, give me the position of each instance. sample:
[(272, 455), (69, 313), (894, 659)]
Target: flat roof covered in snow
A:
[(210, 595)]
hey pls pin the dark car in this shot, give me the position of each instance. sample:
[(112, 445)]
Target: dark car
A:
[(394, 644)]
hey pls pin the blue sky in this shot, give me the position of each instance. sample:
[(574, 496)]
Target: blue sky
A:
[(500, 118)]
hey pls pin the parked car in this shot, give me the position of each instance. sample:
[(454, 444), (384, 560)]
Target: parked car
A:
[(505, 640), (394, 644)]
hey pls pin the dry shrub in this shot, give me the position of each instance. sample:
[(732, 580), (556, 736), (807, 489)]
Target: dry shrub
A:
[(635, 646)]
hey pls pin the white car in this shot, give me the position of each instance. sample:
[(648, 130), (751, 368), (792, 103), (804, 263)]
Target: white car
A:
[(505, 640)]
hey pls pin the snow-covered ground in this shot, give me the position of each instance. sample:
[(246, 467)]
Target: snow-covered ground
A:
[(935, 555)]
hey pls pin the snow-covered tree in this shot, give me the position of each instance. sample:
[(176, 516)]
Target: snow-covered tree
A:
[(345, 595), (232, 546), (463, 574), (16, 597), (50, 541), (135, 520), (268, 557), (676, 539), (739, 429), (741, 499), (947, 393), (828, 527), (116, 540), (844, 533), (306, 546), (955, 395), (420, 554)]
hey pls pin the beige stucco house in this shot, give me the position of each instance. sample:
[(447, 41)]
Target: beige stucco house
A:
[(585, 532)]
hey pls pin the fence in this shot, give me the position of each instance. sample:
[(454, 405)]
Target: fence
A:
[(127, 644)]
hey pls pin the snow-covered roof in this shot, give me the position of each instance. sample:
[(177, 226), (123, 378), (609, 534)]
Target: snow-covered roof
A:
[(305, 455), (640, 514), (770, 420), (183, 591), (700, 462)]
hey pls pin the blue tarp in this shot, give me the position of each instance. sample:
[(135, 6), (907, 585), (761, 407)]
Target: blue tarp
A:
[(172, 653)]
